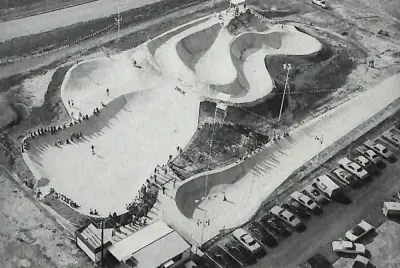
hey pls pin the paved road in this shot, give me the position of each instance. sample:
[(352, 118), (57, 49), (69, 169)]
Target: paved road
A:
[(65, 17), (336, 220)]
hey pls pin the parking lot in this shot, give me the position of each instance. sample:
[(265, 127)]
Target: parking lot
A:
[(338, 216)]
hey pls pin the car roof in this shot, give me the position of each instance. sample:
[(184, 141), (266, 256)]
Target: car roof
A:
[(276, 209), (287, 214), (343, 243)]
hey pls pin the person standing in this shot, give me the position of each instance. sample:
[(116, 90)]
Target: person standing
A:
[(108, 92), (93, 153)]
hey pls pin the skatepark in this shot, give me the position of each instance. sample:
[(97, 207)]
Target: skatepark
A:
[(155, 91)]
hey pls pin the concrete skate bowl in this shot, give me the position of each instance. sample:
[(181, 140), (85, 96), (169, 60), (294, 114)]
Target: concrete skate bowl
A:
[(194, 188), (238, 67), (97, 72)]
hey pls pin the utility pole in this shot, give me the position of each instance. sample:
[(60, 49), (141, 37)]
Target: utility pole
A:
[(287, 67), (118, 21), (102, 244)]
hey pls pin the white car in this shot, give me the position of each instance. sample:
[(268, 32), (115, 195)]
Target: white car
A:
[(353, 168), (359, 231), (246, 240), (348, 247), (391, 137), (306, 201), (360, 262), (287, 217), (373, 157), (320, 3), (365, 163), (379, 149), (344, 176)]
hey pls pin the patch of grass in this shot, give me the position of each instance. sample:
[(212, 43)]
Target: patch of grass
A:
[(214, 145)]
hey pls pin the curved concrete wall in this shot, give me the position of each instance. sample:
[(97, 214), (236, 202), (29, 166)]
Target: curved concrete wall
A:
[(195, 188), (158, 41), (191, 48), (251, 42)]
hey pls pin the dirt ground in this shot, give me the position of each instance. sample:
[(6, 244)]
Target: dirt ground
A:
[(29, 237)]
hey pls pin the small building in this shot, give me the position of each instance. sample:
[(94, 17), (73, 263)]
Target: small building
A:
[(89, 240), (155, 246), (236, 2), (222, 105)]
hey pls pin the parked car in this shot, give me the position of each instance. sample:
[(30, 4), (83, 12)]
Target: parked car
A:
[(348, 247), (360, 262), (379, 149), (296, 208), (359, 231), (223, 258), (316, 261), (206, 262), (365, 163), (344, 176), (327, 186), (320, 3), (306, 202), (391, 137), (287, 217), (312, 192), (353, 168), (373, 157), (266, 237), (240, 253), (243, 237), (276, 225)]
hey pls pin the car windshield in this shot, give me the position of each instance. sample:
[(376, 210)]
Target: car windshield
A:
[(357, 231), (315, 193), (291, 218), (248, 240), (350, 247), (359, 169), (309, 202), (385, 151)]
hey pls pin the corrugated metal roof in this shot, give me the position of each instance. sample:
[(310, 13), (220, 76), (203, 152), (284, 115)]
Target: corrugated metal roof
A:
[(124, 249)]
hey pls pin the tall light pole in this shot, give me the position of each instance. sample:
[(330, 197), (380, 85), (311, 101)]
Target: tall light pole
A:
[(118, 21), (287, 67), (321, 141)]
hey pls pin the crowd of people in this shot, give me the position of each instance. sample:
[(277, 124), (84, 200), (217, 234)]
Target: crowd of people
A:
[(64, 198)]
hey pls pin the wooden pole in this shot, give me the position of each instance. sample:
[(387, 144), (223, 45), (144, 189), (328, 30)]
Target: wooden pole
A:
[(102, 244)]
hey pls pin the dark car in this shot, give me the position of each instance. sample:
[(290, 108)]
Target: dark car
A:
[(297, 209), (223, 258), (206, 262), (276, 225), (317, 261), (266, 237), (239, 252)]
